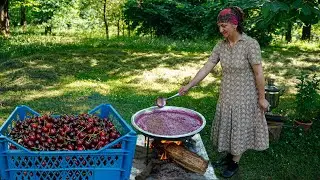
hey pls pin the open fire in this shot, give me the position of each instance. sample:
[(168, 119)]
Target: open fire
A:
[(178, 152), (158, 147), (183, 162)]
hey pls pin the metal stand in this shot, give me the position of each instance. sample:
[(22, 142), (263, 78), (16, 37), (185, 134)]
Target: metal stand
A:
[(147, 145)]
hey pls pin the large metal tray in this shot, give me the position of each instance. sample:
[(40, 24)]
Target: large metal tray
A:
[(167, 108)]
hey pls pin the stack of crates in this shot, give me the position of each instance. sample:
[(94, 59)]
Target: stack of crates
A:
[(105, 163)]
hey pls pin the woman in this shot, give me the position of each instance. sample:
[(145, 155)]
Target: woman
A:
[(239, 122)]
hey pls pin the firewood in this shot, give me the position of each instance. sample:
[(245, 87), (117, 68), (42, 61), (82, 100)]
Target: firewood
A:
[(187, 159)]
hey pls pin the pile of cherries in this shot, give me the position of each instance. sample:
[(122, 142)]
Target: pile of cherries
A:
[(66, 132)]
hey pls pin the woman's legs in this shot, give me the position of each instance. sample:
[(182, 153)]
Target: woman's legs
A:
[(236, 158), (223, 161), (233, 166)]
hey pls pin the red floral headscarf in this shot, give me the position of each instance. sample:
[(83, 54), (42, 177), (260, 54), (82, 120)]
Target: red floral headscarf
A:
[(227, 16)]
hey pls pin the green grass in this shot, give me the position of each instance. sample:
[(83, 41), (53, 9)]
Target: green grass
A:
[(72, 74)]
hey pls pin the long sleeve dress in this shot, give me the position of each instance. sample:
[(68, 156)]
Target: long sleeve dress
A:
[(239, 124)]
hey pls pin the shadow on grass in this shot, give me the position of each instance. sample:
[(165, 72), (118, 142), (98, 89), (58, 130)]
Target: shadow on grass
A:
[(98, 59), (27, 66)]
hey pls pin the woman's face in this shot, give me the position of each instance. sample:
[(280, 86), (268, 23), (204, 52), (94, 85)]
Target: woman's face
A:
[(227, 29)]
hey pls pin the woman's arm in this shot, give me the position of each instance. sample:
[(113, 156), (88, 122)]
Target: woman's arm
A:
[(201, 74), (258, 74), (259, 78), (204, 71)]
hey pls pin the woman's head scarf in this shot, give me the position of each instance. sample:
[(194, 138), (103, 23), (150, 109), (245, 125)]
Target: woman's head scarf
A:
[(227, 16)]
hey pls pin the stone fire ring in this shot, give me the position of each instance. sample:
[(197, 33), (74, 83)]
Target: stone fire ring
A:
[(167, 108)]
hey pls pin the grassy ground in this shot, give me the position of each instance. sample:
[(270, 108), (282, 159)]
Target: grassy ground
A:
[(65, 74)]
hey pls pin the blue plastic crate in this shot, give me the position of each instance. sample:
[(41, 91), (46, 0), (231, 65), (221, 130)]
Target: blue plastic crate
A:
[(105, 163)]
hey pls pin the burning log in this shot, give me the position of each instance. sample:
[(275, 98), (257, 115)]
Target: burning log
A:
[(186, 158)]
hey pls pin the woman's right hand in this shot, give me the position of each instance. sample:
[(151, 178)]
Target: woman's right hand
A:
[(183, 90)]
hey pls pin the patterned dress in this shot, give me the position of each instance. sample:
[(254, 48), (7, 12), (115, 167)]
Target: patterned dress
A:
[(239, 123)]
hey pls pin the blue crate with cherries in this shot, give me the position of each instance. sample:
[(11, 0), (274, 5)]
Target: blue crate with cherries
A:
[(112, 160)]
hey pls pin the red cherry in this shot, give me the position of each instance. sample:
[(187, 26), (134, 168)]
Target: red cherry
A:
[(79, 142), (80, 148), (38, 136), (52, 132), (32, 138), (49, 125), (45, 129), (90, 120), (95, 129), (103, 138), (81, 135), (102, 134), (70, 147), (12, 147), (30, 144), (34, 125), (49, 140)]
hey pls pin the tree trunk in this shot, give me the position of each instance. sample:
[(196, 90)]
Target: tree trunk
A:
[(129, 30), (306, 32), (105, 18), (23, 19), (4, 17), (118, 24), (48, 30), (123, 29), (139, 3), (288, 32)]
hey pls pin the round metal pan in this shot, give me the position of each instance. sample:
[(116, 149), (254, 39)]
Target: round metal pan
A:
[(167, 108)]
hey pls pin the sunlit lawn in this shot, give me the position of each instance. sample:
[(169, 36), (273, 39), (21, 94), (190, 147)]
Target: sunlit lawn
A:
[(59, 75)]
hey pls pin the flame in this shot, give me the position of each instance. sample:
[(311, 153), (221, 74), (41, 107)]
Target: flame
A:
[(164, 156), (160, 147), (165, 142), (168, 142)]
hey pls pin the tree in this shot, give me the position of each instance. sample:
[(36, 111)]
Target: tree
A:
[(23, 19), (45, 11), (309, 14), (166, 18), (23, 6), (284, 13), (4, 17), (278, 14), (116, 14), (105, 13), (105, 18)]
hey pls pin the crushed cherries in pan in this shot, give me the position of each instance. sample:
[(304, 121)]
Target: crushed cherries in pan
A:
[(169, 122)]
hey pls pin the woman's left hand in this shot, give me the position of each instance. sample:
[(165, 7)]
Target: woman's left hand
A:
[(264, 105)]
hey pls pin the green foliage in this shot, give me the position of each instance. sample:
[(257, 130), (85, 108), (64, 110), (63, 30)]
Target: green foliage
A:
[(68, 15), (290, 10), (307, 98), (309, 11), (76, 17), (181, 19), (280, 17), (168, 18), (176, 19), (45, 10), (15, 10)]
